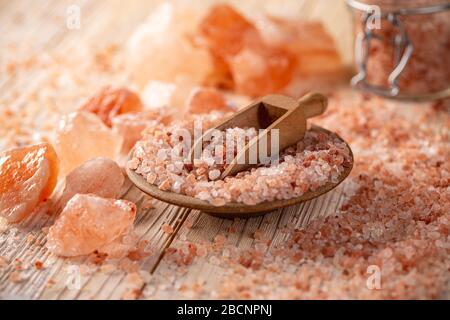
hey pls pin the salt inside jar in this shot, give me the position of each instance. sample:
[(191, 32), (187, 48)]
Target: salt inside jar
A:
[(402, 48)]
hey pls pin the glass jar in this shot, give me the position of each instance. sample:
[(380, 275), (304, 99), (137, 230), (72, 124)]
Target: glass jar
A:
[(402, 48)]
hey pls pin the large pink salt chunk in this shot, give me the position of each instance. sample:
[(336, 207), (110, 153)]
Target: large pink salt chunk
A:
[(205, 100), (110, 102), (83, 136), (309, 41), (27, 177), (240, 53), (130, 126), (262, 70), (161, 48), (100, 176), (89, 223)]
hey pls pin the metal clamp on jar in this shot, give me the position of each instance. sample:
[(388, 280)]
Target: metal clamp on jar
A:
[(402, 48)]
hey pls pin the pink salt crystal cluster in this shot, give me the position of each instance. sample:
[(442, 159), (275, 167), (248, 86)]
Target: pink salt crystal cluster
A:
[(89, 223), (83, 136), (227, 50), (316, 160), (266, 54), (100, 176)]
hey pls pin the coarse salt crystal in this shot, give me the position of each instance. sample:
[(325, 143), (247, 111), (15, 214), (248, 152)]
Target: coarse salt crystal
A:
[(214, 174), (167, 228)]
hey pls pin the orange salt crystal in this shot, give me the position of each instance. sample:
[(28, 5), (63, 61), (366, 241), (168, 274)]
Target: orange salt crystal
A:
[(262, 71), (241, 55), (89, 223), (310, 42), (204, 100), (227, 31), (167, 228), (220, 76), (83, 136), (28, 176), (111, 102)]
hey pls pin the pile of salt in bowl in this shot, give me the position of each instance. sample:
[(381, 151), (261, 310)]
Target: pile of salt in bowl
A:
[(316, 160)]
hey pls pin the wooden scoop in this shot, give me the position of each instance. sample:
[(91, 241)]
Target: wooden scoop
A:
[(270, 112)]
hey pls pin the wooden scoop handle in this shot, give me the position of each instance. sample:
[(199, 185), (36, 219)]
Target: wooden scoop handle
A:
[(313, 104), (270, 112), (277, 106), (291, 126)]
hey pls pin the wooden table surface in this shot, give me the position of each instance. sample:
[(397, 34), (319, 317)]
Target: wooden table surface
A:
[(42, 25)]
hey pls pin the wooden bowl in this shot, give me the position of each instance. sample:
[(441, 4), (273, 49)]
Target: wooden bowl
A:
[(233, 209)]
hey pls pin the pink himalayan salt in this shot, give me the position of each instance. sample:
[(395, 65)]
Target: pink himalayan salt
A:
[(28, 176), (130, 126), (83, 136), (167, 228), (316, 160), (110, 102), (241, 56), (204, 100), (134, 279), (100, 176), (161, 49), (220, 239), (309, 41), (329, 259), (89, 223)]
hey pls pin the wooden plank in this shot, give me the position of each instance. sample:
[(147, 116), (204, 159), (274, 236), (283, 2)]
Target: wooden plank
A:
[(169, 277), (97, 284)]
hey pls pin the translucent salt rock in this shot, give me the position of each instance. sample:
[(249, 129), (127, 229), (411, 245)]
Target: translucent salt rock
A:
[(83, 136), (131, 125), (227, 31), (89, 223), (255, 67), (318, 63), (111, 102), (204, 100), (158, 94), (262, 71), (161, 48), (100, 176), (28, 176), (309, 41)]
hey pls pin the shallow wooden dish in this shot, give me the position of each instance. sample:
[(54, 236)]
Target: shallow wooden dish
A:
[(232, 210)]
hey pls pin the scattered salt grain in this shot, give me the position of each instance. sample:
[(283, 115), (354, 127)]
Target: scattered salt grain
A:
[(167, 228)]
